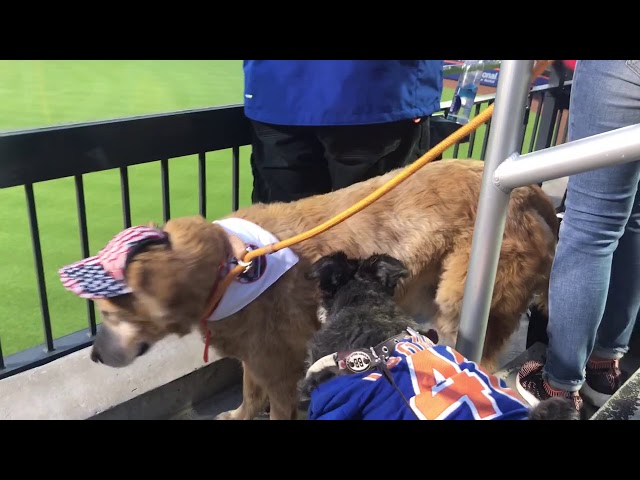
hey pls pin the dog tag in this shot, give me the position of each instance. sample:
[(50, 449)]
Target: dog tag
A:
[(356, 361)]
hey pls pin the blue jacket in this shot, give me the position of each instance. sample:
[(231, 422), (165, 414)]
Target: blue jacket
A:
[(340, 92), (438, 382)]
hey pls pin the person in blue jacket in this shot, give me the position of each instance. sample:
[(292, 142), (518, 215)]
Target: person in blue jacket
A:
[(321, 125)]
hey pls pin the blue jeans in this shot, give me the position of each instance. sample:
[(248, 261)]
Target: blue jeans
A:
[(594, 293)]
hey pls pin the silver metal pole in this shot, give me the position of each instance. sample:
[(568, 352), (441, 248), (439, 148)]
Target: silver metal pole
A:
[(489, 65), (605, 149), (506, 131)]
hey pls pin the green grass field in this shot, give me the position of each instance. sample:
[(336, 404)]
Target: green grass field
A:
[(43, 93)]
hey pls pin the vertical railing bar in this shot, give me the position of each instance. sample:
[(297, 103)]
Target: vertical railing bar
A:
[(164, 169), (472, 137), (126, 200), (37, 257), (235, 178), (565, 131), (536, 122), (2, 366), (489, 224), (84, 243), (485, 141), (202, 184), (556, 127), (525, 121), (548, 117), (456, 148)]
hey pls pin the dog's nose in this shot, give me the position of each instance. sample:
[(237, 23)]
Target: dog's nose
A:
[(95, 356)]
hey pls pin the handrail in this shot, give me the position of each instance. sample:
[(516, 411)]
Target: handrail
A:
[(488, 65)]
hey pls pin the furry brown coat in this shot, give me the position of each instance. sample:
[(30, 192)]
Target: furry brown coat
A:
[(427, 222)]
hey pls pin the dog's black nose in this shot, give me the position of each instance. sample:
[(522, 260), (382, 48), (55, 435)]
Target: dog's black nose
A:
[(95, 356), (144, 347)]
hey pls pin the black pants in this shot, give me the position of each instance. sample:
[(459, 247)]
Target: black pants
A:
[(289, 162)]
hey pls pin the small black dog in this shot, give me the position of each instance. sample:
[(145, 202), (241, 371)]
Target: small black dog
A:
[(359, 312)]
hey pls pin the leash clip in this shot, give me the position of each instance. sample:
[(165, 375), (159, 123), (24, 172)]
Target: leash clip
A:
[(246, 265), (381, 359)]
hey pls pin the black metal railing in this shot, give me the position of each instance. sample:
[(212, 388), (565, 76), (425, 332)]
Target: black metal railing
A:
[(31, 156), (553, 101), (39, 155)]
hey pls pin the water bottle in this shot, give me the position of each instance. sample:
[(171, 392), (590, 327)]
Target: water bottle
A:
[(465, 93)]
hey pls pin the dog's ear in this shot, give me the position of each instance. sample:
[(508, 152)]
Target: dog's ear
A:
[(389, 270), (332, 271)]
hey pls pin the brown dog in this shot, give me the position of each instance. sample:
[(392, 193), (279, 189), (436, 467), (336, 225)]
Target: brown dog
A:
[(426, 222)]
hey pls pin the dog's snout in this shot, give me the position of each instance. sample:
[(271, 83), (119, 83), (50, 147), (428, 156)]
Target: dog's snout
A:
[(113, 349), (95, 356), (144, 348)]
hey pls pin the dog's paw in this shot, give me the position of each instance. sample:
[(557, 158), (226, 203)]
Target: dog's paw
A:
[(228, 415), (223, 416)]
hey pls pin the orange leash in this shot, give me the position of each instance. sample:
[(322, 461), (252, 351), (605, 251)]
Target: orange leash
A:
[(478, 120)]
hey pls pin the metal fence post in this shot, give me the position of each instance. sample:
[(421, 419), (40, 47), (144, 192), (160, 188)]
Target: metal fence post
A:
[(552, 103), (511, 97)]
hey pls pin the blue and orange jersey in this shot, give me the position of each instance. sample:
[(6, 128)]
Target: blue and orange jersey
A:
[(438, 382)]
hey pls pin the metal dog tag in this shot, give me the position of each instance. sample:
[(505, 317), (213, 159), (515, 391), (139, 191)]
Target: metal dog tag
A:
[(358, 361)]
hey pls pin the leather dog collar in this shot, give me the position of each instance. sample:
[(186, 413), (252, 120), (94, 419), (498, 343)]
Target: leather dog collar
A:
[(363, 359)]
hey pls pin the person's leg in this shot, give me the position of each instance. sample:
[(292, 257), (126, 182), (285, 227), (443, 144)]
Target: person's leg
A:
[(359, 152), (598, 206), (623, 300), (287, 163), (605, 96), (603, 375)]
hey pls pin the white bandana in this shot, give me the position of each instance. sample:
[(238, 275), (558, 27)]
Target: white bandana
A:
[(267, 270)]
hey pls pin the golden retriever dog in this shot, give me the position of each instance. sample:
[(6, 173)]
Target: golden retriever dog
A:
[(164, 284)]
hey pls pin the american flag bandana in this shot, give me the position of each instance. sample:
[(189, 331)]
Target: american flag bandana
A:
[(102, 276)]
